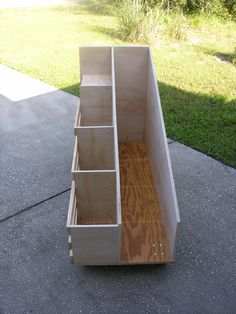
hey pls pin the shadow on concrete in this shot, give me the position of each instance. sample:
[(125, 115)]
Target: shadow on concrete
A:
[(36, 148)]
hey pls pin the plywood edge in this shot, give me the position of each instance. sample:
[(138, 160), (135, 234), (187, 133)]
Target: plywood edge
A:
[(77, 117), (71, 206), (75, 157), (116, 148)]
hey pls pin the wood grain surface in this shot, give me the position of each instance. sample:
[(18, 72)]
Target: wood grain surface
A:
[(143, 233)]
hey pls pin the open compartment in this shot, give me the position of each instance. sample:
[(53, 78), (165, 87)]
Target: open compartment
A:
[(94, 235), (95, 197), (96, 87), (148, 201), (94, 149)]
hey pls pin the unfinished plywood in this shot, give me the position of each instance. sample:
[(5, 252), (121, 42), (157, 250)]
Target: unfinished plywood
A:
[(131, 81), (95, 197), (158, 154), (144, 242), (95, 61), (143, 234), (95, 245), (91, 244), (94, 148), (123, 207), (96, 105), (96, 80)]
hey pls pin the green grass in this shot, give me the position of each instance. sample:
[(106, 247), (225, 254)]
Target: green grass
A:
[(44, 42), (198, 91)]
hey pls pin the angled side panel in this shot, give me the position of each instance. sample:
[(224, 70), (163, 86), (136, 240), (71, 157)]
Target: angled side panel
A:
[(157, 148)]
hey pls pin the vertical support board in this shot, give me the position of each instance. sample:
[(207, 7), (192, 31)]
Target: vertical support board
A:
[(157, 148)]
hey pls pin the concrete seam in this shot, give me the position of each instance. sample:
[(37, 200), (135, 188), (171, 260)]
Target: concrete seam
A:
[(33, 205)]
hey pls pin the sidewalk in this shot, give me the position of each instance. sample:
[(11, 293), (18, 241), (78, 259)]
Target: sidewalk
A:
[(36, 147)]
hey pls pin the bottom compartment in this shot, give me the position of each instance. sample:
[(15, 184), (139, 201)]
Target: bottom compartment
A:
[(91, 244), (143, 235)]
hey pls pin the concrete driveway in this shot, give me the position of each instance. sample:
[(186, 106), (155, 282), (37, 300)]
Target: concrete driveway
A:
[(36, 145)]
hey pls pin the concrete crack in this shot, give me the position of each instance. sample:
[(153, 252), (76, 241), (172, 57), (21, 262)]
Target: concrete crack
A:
[(33, 205)]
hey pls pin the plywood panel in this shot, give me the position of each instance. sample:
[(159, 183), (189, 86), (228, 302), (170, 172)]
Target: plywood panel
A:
[(143, 234), (139, 204), (96, 148), (144, 242), (96, 196), (95, 60), (131, 82), (95, 245), (156, 143), (96, 80), (96, 105)]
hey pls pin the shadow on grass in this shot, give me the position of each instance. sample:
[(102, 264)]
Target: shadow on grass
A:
[(206, 123), (222, 56), (109, 31)]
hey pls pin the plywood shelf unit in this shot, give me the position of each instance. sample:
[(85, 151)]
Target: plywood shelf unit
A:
[(123, 208)]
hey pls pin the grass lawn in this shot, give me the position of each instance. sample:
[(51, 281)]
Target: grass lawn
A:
[(198, 90)]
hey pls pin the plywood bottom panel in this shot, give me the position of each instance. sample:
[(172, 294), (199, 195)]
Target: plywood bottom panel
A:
[(143, 234)]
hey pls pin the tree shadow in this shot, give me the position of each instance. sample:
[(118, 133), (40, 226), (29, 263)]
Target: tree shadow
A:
[(109, 31), (221, 56)]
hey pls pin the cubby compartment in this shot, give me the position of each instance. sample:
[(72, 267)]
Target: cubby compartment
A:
[(94, 149), (96, 88), (94, 235), (96, 105), (95, 194), (123, 201)]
